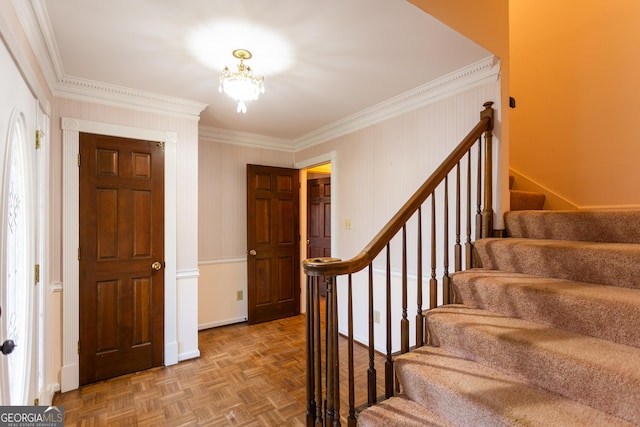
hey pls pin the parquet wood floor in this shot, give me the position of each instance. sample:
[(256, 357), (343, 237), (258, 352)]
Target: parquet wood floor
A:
[(246, 375)]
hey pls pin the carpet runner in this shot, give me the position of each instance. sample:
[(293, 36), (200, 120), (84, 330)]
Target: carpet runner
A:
[(546, 332)]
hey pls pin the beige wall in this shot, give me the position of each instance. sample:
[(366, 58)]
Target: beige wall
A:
[(222, 227), (376, 170), (574, 74)]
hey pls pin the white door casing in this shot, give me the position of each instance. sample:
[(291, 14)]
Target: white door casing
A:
[(71, 129)]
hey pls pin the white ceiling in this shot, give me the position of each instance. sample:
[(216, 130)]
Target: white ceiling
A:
[(322, 60)]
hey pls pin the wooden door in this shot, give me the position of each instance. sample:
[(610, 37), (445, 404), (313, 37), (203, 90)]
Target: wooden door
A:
[(121, 256), (273, 243), (319, 221)]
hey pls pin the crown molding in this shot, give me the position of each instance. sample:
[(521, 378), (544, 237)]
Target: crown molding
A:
[(226, 136), (37, 26), (13, 43), (480, 72), (487, 69), (40, 36), (120, 96)]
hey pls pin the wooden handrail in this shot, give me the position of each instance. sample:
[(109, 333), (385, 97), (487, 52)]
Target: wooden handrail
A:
[(324, 409), (322, 267)]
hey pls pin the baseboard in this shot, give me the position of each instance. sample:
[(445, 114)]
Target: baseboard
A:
[(224, 322), (70, 375), (46, 395), (189, 355), (171, 353), (553, 201)]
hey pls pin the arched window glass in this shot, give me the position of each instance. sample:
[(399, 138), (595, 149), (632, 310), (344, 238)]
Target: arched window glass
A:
[(17, 270)]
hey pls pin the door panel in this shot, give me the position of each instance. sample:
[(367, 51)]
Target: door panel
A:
[(121, 236), (273, 238)]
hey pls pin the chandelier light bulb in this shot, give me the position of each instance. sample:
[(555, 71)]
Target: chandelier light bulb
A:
[(241, 85)]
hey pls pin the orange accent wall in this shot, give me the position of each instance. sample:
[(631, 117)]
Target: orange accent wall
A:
[(575, 72)]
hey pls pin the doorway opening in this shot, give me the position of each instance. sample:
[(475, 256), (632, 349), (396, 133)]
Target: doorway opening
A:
[(319, 215)]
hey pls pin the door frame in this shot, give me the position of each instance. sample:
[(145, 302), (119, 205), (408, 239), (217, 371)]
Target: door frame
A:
[(329, 157), (71, 128)]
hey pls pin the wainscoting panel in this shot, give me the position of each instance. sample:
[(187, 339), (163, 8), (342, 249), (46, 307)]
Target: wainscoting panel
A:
[(219, 286)]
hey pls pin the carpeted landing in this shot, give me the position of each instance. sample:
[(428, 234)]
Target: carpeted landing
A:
[(545, 333)]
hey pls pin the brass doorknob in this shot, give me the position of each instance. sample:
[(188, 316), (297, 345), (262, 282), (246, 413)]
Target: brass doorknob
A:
[(253, 252), (156, 266)]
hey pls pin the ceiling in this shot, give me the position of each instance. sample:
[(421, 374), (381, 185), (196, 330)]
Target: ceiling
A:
[(323, 61)]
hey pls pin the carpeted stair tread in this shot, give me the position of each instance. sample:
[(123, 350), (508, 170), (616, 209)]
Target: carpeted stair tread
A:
[(619, 226), (525, 200), (615, 264), (470, 394), (399, 411), (595, 372), (585, 308)]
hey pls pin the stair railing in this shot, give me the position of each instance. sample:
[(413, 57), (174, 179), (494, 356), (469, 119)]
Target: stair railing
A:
[(324, 409)]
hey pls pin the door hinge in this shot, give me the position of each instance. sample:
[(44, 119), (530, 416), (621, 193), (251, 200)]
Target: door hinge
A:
[(78, 347), (37, 139), (78, 159), (78, 254), (37, 273), (36, 402)]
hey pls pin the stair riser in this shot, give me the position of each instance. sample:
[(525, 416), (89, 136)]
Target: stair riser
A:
[(533, 354), (590, 226), (605, 312), (607, 264)]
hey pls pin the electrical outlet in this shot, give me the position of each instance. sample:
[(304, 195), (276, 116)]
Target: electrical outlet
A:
[(376, 316), (347, 224), (239, 295)]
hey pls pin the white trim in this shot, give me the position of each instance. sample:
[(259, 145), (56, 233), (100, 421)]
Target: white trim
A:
[(71, 129), (478, 73), (189, 355), (227, 136), (124, 97), (188, 274), (222, 261), (37, 26), (46, 394), (455, 82), (223, 322), (320, 159), (13, 46), (55, 287)]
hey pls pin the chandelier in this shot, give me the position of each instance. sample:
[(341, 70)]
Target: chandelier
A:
[(241, 85)]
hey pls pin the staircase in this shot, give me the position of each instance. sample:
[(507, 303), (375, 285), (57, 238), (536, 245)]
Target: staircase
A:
[(524, 200), (545, 333)]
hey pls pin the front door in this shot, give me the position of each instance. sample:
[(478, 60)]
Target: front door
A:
[(273, 239), (19, 238), (121, 256)]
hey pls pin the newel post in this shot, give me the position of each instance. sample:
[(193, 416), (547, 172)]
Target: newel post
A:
[(487, 212)]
